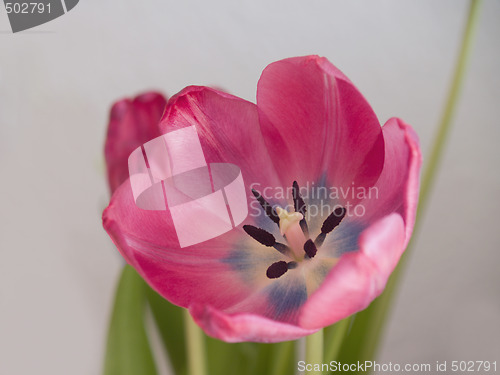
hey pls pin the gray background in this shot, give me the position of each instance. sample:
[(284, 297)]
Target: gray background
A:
[(57, 266)]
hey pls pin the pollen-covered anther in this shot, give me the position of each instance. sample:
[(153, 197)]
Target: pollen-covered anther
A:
[(277, 269), (265, 238), (310, 248)]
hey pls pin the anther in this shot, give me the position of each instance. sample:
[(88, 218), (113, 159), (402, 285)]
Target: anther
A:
[(277, 269), (310, 248), (260, 235), (265, 238)]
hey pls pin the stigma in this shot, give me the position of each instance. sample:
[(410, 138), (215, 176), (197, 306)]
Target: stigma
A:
[(289, 224), (287, 219)]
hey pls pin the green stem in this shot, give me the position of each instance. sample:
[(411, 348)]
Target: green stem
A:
[(281, 357), (314, 351), (368, 325), (449, 110), (333, 342), (195, 346)]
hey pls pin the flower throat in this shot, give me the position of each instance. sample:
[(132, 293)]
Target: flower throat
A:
[(293, 227)]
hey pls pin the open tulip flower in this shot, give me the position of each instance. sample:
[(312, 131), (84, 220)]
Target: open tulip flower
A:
[(331, 198)]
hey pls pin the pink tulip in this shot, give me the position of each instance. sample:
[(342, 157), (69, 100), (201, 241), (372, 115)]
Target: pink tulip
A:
[(125, 134), (283, 273)]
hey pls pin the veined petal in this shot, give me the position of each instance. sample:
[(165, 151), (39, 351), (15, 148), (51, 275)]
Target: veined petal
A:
[(398, 186), (317, 124), (358, 277), (228, 128), (200, 273), (131, 123), (148, 241)]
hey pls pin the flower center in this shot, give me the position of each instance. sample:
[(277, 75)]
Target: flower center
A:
[(294, 229)]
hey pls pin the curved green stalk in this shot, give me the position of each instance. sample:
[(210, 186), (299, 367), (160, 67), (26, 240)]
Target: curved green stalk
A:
[(334, 336), (449, 111), (195, 345), (283, 352), (368, 325), (314, 351)]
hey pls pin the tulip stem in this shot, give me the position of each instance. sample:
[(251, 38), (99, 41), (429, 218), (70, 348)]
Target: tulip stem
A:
[(333, 341), (195, 347), (449, 110), (314, 352), (361, 343)]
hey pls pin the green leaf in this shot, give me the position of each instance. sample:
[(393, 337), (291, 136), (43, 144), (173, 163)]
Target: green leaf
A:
[(227, 359), (170, 323), (283, 358), (250, 358), (334, 338), (361, 343), (128, 351), (223, 358)]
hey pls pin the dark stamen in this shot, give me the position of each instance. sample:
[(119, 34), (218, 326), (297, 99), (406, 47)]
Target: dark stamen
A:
[(300, 206), (320, 239), (292, 265), (282, 248), (331, 222), (277, 269), (268, 209), (265, 238), (260, 235), (310, 248)]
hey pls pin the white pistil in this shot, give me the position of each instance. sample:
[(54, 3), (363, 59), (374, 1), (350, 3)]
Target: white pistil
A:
[(290, 228)]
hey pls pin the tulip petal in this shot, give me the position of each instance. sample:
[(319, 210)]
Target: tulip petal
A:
[(398, 186), (358, 277), (148, 241), (228, 128), (197, 273), (131, 123), (393, 210), (244, 327), (316, 124), (201, 272), (395, 191)]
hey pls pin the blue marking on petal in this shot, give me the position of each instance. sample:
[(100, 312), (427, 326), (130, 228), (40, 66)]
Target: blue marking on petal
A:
[(239, 260), (287, 299), (345, 238)]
